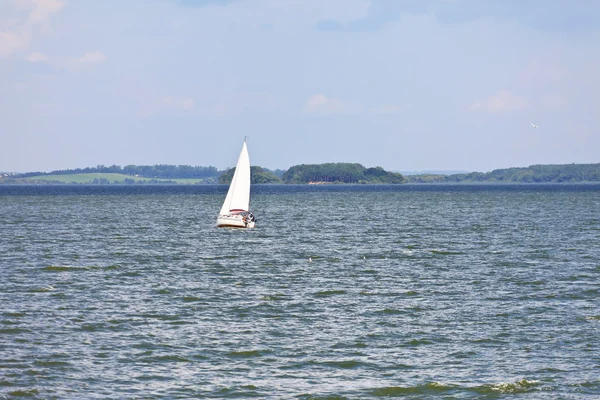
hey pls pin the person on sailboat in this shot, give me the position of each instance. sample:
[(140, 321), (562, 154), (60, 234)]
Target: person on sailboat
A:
[(248, 217)]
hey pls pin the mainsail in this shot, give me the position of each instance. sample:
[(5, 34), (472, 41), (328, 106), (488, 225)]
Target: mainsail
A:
[(238, 196)]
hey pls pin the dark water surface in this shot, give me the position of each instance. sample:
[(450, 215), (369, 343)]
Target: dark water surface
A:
[(414, 291)]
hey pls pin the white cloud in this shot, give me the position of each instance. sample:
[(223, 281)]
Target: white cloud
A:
[(16, 33), (36, 57), (11, 42), (323, 105), (503, 101), (91, 57), (43, 10)]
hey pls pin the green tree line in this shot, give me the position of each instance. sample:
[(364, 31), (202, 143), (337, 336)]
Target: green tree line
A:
[(258, 175), (160, 171), (340, 173), (335, 173), (533, 174)]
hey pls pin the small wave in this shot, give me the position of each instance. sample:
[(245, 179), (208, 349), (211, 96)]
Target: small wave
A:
[(154, 377), (93, 327), (524, 283), (131, 274), (162, 317), (48, 288), (445, 252), (435, 388), (486, 340), (323, 397), (463, 354), (24, 393), (45, 363), (354, 345), (246, 353), (552, 370), (419, 342), (34, 372), (522, 386), (180, 323), (587, 385), (13, 331), (370, 271), (327, 293), (165, 359), (244, 391), (426, 389), (274, 297), (191, 298), (66, 268), (389, 311), (13, 314), (347, 364), (226, 257)]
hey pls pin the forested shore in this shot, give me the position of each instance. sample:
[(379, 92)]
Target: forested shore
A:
[(328, 173), (549, 173)]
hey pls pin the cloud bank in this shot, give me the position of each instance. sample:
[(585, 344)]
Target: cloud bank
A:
[(29, 18)]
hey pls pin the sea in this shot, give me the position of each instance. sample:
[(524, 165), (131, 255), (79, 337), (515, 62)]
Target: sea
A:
[(340, 292)]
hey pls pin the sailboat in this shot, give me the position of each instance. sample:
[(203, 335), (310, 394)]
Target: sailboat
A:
[(235, 212)]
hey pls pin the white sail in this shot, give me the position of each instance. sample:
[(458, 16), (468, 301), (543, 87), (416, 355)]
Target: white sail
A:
[(238, 196)]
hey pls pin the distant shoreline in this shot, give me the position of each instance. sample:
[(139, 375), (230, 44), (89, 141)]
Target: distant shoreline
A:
[(461, 183), (307, 174)]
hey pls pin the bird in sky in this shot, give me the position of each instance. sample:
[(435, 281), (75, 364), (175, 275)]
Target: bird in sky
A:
[(533, 125)]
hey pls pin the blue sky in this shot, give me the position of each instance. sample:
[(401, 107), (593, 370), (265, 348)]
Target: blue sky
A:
[(404, 84)]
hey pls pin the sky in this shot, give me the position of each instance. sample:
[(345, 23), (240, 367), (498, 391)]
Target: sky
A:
[(403, 84)]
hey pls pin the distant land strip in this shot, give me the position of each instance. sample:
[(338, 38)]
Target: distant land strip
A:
[(328, 173)]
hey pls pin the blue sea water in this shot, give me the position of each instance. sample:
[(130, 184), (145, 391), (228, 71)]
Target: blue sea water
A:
[(415, 291)]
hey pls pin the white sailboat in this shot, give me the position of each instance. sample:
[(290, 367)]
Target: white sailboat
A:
[(235, 212)]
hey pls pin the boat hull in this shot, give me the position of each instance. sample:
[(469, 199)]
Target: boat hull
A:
[(234, 221)]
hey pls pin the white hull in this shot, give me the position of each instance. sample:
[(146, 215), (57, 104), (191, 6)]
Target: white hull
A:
[(234, 221)]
